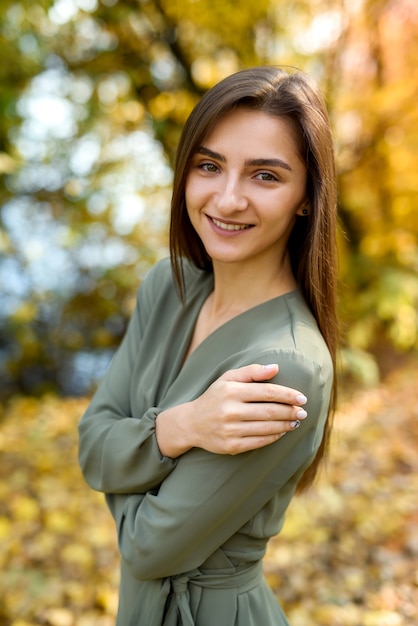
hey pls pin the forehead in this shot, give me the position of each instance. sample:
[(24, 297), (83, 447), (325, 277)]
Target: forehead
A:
[(253, 130)]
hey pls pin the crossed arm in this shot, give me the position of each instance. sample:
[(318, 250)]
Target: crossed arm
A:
[(181, 481)]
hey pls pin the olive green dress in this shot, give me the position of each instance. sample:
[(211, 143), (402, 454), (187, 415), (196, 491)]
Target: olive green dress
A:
[(192, 530)]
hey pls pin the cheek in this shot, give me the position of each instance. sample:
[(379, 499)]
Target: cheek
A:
[(195, 195)]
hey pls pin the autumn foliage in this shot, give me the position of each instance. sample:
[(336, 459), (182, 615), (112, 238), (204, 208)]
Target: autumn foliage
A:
[(347, 556)]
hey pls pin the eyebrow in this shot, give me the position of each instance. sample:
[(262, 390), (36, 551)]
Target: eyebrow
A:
[(269, 163), (249, 162), (211, 154)]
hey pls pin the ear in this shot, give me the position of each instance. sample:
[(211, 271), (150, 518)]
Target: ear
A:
[(304, 208)]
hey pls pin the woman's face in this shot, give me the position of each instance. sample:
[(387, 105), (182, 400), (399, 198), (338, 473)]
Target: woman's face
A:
[(245, 187)]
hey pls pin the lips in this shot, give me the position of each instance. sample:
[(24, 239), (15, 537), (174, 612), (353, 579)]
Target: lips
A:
[(228, 226)]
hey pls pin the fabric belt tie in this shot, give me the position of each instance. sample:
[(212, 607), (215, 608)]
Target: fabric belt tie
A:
[(175, 590), (179, 600), (167, 602)]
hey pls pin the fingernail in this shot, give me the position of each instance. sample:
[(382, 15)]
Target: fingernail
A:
[(301, 399), (301, 414), (295, 424), (270, 366)]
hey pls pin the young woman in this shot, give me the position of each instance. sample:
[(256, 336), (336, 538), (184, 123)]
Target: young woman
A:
[(232, 344)]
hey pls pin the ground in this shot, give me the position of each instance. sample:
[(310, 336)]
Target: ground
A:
[(347, 556)]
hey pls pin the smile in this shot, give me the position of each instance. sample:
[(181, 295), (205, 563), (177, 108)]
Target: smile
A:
[(225, 226)]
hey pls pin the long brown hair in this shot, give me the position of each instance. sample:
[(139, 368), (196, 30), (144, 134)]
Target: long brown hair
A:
[(312, 242)]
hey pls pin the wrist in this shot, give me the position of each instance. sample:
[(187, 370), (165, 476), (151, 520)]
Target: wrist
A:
[(172, 431)]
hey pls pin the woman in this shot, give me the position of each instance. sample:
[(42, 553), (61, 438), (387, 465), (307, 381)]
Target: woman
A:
[(225, 346)]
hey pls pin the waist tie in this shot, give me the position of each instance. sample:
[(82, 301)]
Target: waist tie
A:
[(176, 594)]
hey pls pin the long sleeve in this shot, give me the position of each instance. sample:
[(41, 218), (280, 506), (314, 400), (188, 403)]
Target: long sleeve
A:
[(207, 497), (118, 451)]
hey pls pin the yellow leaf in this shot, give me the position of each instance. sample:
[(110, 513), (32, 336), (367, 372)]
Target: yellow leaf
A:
[(78, 554), (25, 313), (5, 527), (382, 618), (60, 521), (331, 615), (59, 617), (25, 509), (7, 163), (107, 598)]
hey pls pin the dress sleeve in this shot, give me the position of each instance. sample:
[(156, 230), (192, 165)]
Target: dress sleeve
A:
[(119, 453), (209, 497)]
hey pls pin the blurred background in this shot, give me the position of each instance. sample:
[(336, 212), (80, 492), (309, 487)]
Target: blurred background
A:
[(93, 95)]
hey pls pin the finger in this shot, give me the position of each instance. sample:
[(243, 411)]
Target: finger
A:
[(270, 392), (271, 412), (253, 443), (251, 373)]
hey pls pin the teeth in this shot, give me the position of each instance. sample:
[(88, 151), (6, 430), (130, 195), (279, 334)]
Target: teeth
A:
[(229, 226)]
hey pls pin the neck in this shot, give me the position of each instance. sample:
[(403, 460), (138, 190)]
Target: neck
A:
[(238, 287)]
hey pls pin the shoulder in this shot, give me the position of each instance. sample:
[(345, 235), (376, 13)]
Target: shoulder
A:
[(159, 273), (302, 330), (159, 286), (301, 369), (161, 278), (291, 338), (286, 328)]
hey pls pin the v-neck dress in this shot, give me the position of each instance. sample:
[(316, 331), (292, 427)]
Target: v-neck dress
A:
[(192, 531)]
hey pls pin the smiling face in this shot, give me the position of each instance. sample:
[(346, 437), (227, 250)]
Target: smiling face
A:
[(245, 187)]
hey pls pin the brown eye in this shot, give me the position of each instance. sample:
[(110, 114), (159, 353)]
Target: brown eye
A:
[(266, 176), (208, 167)]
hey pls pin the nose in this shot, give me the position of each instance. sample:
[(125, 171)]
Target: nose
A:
[(230, 195)]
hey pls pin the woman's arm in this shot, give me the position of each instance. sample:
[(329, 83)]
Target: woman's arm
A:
[(118, 452), (240, 411), (209, 497)]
